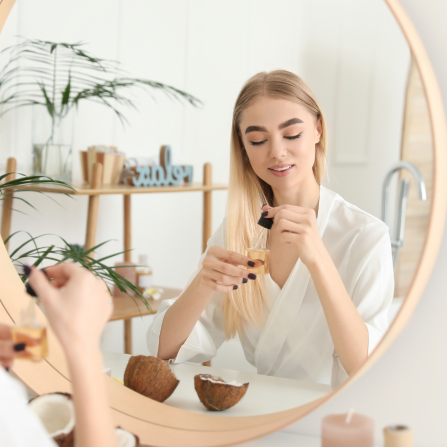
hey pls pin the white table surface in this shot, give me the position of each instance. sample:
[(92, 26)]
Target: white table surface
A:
[(283, 439), (265, 394)]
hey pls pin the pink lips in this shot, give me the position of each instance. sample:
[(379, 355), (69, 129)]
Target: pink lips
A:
[(281, 173)]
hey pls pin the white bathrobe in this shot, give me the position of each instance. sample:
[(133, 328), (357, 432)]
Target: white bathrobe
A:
[(294, 340)]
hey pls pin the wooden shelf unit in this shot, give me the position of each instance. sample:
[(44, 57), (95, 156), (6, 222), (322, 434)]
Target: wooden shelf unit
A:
[(87, 190), (124, 308)]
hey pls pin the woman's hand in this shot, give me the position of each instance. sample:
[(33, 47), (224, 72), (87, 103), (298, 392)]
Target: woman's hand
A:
[(298, 226), (221, 272), (77, 304), (9, 349)]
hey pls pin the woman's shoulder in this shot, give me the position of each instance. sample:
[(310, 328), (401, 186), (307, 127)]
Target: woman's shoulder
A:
[(350, 216)]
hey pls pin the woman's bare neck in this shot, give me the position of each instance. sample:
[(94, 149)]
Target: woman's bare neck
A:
[(306, 195)]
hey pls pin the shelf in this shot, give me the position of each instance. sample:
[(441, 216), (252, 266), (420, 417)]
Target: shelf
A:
[(125, 308), (86, 190)]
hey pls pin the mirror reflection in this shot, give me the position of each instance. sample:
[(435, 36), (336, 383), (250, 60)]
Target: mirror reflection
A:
[(314, 116)]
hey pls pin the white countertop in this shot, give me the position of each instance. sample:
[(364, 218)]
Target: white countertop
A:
[(265, 394), (283, 439)]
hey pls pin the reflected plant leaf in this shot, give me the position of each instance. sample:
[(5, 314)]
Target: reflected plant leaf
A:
[(74, 253)]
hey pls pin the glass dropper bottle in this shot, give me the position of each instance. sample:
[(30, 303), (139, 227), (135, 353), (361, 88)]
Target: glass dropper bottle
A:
[(258, 252), (31, 333)]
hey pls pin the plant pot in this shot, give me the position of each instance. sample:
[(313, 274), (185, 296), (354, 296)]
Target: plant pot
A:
[(52, 160), (52, 145)]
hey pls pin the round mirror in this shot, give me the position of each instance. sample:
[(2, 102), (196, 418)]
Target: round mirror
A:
[(380, 115)]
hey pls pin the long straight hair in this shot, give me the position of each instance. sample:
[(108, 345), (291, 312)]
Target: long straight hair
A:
[(247, 192)]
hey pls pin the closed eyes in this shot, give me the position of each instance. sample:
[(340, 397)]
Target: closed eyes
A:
[(294, 137), (258, 143)]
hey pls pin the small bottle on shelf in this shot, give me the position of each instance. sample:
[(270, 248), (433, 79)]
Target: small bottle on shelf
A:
[(258, 252), (144, 274), (31, 332)]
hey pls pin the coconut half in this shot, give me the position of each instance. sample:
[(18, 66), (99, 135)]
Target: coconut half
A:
[(150, 377), (56, 412), (126, 438), (216, 394)]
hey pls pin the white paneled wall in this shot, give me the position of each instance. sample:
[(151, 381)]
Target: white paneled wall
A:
[(350, 52)]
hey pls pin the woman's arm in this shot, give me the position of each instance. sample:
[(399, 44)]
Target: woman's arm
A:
[(181, 317), (94, 424), (219, 273), (349, 333), (348, 330), (78, 305), (370, 282)]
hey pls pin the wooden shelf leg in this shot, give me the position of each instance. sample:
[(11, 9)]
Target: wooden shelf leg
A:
[(127, 228), (207, 209), (7, 203), (128, 336), (127, 258), (93, 206)]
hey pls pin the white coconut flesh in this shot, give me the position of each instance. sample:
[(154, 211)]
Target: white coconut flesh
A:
[(214, 380), (125, 438), (56, 412)]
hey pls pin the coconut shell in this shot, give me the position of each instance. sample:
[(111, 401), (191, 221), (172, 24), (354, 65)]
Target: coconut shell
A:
[(65, 440), (68, 395), (136, 438), (62, 440), (150, 377), (218, 396)]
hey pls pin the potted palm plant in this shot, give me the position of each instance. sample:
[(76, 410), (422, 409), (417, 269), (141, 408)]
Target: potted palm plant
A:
[(30, 250), (58, 77)]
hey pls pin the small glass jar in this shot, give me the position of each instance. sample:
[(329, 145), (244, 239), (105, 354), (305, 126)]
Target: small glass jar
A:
[(31, 332), (258, 252)]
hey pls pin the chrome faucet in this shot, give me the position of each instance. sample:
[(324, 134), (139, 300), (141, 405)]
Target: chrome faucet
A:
[(398, 241)]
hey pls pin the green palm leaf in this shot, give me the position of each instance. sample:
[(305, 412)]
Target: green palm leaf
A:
[(75, 253), (59, 75), (20, 184)]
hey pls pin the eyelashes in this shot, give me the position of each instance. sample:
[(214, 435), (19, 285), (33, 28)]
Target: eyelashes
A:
[(258, 143), (294, 137)]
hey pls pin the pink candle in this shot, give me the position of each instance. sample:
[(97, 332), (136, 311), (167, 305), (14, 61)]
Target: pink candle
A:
[(341, 430), (129, 273)]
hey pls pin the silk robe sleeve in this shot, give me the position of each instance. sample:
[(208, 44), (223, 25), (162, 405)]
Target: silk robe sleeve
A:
[(370, 284), (208, 333), (19, 426)]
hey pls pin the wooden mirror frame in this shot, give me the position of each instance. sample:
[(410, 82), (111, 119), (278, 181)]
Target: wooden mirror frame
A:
[(161, 425)]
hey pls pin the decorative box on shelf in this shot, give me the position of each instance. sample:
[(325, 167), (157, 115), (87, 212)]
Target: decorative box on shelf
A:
[(112, 163)]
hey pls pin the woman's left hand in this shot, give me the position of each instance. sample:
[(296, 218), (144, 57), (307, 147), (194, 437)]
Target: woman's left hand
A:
[(9, 349), (298, 226)]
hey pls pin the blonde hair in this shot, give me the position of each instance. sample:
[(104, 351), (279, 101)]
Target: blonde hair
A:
[(247, 192)]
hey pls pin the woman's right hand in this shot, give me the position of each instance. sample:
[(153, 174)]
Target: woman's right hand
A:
[(221, 272), (77, 304)]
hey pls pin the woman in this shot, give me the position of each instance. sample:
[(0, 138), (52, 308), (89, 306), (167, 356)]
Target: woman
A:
[(324, 306), (77, 305)]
